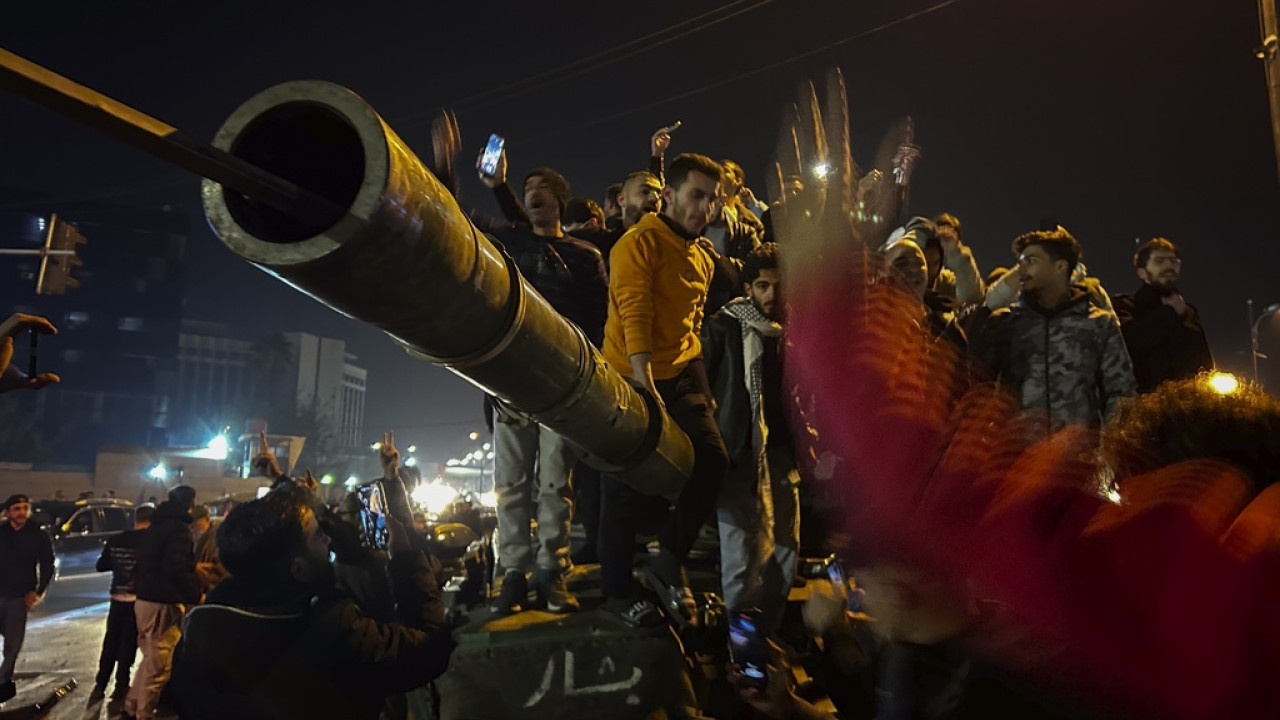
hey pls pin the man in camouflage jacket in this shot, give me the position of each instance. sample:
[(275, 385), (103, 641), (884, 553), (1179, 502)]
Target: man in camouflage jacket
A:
[(1057, 351)]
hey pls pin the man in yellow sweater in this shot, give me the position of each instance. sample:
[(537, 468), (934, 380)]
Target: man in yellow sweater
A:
[(657, 287)]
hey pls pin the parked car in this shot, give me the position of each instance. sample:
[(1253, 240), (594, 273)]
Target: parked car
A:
[(80, 529)]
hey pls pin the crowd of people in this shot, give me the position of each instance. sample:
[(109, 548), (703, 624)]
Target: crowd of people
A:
[(677, 278)]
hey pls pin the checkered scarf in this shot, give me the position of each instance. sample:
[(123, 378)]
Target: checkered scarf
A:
[(755, 328)]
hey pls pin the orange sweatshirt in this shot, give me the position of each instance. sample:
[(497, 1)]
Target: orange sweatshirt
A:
[(657, 286)]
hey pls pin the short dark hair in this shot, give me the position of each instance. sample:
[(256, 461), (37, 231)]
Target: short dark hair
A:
[(559, 185), (948, 219), (764, 257), (1059, 244), (580, 210), (686, 163), (1190, 420), (611, 192), (142, 513), (1141, 257), (259, 539)]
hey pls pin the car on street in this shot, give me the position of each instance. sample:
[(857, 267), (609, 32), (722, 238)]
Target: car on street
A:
[(80, 529)]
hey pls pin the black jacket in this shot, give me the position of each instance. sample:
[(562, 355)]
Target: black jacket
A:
[(726, 371), (1162, 345), (120, 556), (167, 558), (22, 552), (569, 273), (309, 657)]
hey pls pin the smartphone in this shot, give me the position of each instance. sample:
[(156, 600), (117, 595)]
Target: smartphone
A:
[(33, 354), (373, 515), (492, 153), (835, 572), (748, 649)]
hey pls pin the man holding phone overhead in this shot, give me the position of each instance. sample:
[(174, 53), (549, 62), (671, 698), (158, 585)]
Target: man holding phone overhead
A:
[(532, 463)]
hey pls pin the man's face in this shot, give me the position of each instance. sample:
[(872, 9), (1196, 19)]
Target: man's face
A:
[(933, 261), (201, 526), (1163, 270), (18, 513), (540, 201), (766, 293), (640, 195), (611, 207), (690, 205), (905, 264), (731, 182), (1039, 271), (312, 566)]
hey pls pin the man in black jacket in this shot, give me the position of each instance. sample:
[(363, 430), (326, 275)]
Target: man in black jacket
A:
[(120, 645), (533, 464), (276, 640), (167, 587), (25, 550), (1162, 331), (758, 508)]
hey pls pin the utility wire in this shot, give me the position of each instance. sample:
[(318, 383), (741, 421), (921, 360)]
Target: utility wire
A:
[(575, 68), (745, 75)]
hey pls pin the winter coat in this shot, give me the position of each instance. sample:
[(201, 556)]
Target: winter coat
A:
[(167, 558), (1070, 362), (1163, 345), (243, 656)]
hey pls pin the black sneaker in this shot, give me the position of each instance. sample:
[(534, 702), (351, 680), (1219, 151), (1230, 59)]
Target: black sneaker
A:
[(8, 691), (98, 693), (514, 594), (677, 600), (120, 693), (641, 613), (554, 594)]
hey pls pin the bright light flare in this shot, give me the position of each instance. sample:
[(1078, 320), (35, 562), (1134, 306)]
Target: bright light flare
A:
[(1223, 383), (411, 462), (821, 169), (435, 497), (489, 499), (158, 472)]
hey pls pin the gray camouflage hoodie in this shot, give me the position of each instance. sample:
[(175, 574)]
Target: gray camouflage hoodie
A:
[(1070, 362)]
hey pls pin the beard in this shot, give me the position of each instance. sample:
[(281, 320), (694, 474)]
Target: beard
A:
[(1166, 285)]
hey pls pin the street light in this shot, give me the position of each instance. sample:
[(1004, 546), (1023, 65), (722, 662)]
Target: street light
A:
[(1253, 334), (413, 448), (474, 436), (158, 472)]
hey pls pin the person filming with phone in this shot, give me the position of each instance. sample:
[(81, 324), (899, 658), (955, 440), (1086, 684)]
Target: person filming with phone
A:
[(277, 639)]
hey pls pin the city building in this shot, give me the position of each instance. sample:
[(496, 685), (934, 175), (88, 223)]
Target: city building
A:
[(117, 346)]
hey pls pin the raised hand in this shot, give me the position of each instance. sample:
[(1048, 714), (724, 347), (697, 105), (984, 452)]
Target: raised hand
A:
[(661, 139)]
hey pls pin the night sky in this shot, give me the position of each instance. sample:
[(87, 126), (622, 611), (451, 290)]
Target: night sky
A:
[(1121, 120)]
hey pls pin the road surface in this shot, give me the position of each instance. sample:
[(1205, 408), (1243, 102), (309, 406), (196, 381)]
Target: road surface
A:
[(64, 635)]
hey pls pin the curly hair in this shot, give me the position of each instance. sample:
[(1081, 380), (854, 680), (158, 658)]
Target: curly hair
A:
[(1058, 244), (1209, 417)]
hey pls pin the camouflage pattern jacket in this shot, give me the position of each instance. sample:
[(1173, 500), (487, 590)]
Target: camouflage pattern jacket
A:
[(1070, 363)]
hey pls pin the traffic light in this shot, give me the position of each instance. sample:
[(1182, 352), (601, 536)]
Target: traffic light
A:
[(59, 258)]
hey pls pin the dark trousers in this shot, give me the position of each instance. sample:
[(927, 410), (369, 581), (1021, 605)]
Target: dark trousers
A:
[(13, 625), (586, 482), (120, 646), (624, 510)]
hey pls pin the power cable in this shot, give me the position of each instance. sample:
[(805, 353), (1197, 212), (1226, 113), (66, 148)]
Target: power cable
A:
[(745, 75), (553, 76)]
